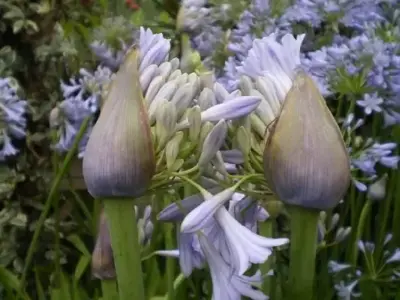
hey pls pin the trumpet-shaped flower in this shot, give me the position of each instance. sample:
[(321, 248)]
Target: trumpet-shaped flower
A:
[(227, 284), (235, 240), (245, 247)]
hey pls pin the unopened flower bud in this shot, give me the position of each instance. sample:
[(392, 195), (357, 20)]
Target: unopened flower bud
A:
[(377, 190), (119, 158), (274, 208), (305, 158), (55, 117), (102, 258)]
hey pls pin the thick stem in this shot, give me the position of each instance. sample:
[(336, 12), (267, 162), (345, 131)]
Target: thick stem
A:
[(121, 218), (109, 288), (267, 230), (303, 248)]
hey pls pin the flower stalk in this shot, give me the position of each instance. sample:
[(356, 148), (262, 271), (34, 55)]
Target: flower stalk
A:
[(125, 244), (267, 230), (303, 249)]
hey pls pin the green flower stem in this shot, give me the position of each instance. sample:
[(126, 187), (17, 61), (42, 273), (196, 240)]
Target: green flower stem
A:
[(267, 230), (169, 244), (360, 230), (109, 288), (396, 211), (125, 244), (50, 198), (303, 249)]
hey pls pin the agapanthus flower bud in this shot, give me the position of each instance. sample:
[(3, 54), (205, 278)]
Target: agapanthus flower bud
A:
[(119, 159), (102, 257), (305, 158), (377, 190)]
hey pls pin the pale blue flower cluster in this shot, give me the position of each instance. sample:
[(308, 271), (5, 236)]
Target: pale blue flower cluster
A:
[(111, 41), (203, 23), (225, 237), (365, 64), (350, 13), (82, 96), (348, 276), (377, 63), (371, 154), (12, 117), (256, 22)]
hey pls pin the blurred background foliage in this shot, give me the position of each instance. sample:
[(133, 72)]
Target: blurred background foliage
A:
[(44, 42)]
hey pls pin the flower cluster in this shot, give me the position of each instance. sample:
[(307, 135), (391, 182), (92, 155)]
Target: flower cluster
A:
[(204, 24), (347, 277), (350, 13), (256, 22), (82, 99), (111, 41), (224, 237), (12, 117)]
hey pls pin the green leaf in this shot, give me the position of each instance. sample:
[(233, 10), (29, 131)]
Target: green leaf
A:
[(10, 282), (32, 25), (77, 242), (14, 13), (63, 292), (18, 25), (81, 267)]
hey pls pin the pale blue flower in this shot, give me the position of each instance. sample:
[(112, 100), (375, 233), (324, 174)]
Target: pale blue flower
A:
[(154, 48), (247, 211), (257, 18), (366, 159), (109, 57), (72, 113), (12, 117), (370, 103), (145, 225), (350, 13), (227, 285), (88, 87), (203, 23), (346, 291), (335, 267), (245, 247), (394, 258)]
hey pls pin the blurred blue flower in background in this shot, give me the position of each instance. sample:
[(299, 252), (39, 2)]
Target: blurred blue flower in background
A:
[(112, 39), (203, 22), (12, 117), (256, 22), (82, 99), (350, 13)]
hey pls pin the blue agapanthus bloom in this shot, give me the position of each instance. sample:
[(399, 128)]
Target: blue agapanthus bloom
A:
[(12, 117), (366, 54), (256, 22), (203, 23), (82, 98), (350, 13), (224, 239)]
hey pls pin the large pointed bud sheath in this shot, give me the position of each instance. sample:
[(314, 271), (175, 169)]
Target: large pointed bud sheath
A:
[(119, 157), (305, 158)]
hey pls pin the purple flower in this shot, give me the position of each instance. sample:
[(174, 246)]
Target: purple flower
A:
[(350, 13), (370, 103), (257, 18), (12, 115)]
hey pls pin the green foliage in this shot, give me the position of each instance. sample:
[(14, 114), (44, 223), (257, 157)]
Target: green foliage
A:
[(48, 226)]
